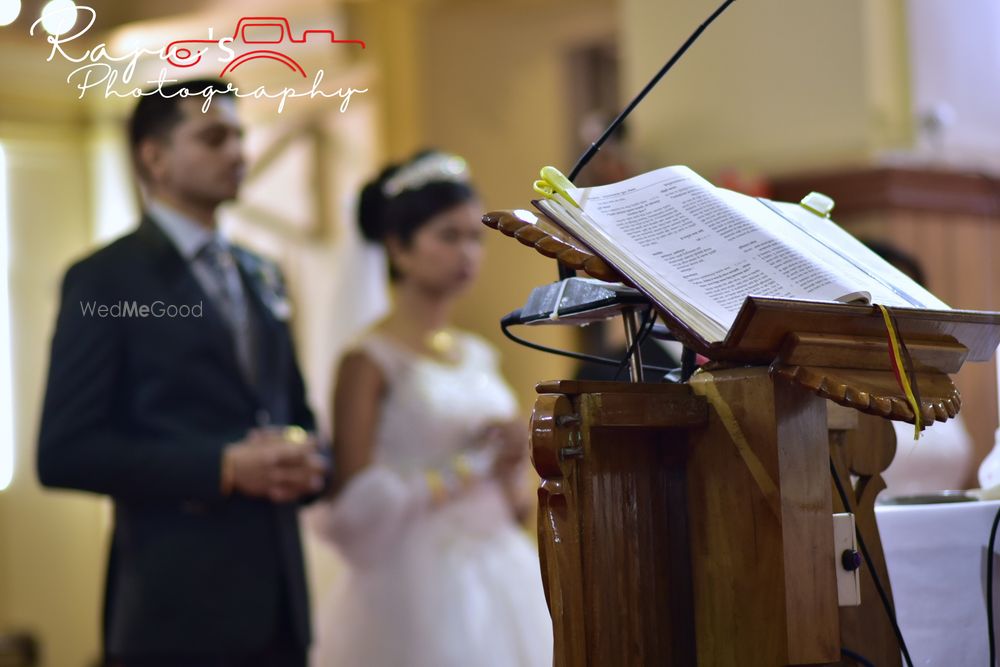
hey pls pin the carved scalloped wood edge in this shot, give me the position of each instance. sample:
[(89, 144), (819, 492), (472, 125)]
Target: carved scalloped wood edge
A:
[(895, 406), (551, 246), (553, 426)]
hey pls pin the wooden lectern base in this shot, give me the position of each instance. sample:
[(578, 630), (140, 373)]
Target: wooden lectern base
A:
[(691, 524)]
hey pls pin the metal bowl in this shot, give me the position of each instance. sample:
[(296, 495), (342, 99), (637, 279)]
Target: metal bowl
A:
[(930, 498)]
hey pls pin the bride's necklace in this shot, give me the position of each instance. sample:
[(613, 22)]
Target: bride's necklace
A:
[(441, 343)]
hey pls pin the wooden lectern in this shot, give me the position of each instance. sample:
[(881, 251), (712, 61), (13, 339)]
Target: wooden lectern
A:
[(691, 524)]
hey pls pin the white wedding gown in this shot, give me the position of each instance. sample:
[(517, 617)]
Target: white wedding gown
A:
[(453, 585)]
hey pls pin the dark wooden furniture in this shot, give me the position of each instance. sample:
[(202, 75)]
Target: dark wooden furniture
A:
[(685, 524)]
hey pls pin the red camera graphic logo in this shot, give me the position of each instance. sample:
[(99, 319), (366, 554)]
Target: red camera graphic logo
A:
[(251, 31)]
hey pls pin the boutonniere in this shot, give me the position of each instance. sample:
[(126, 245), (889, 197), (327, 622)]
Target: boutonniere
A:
[(267, 280)]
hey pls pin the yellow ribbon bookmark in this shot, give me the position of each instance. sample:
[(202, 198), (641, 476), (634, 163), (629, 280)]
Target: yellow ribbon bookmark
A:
[(552, 183), (896, 360)]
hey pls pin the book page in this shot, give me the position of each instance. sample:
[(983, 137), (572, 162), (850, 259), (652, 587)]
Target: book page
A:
[(814, 250), (684, 235), (877, 270), (607, 248)]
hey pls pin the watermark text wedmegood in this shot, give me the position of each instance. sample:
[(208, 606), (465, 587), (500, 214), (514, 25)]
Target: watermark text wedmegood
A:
[(128, 309)]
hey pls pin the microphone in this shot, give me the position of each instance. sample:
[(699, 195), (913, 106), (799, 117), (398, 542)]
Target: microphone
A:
[(579, 299), (588, 155), (596, 146)]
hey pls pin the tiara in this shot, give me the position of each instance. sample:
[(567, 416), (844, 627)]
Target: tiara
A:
[(430, 168)]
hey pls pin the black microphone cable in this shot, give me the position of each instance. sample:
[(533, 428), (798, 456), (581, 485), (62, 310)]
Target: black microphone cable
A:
[(514, 318), (856, 657), (596, 146), (565, 271), (886, 604), (989, 588), (648, 319)]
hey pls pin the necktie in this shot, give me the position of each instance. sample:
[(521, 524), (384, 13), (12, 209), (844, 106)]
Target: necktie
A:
[(231, 301)]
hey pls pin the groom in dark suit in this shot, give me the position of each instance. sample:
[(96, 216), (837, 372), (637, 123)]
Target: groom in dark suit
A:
[(173, 388)]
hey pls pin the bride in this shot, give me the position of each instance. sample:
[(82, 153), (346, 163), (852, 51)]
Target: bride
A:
[(429, 457)]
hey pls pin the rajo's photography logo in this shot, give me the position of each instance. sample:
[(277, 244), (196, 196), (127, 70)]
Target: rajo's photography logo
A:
[(255, 37), (257, 32)]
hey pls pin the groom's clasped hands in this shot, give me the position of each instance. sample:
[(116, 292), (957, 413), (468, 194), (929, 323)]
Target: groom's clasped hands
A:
[(282, 464)]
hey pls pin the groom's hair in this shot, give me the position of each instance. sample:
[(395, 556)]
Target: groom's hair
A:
[(158, 110)]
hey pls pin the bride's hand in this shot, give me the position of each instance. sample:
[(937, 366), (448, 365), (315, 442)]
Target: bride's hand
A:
[(510, 441)]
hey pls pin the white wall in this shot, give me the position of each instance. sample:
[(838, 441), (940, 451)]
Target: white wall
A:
[(955, 55)]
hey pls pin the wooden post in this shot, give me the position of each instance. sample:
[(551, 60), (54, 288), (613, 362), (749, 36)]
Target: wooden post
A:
[(762, 540)]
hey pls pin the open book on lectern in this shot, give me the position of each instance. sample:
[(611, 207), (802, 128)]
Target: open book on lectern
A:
[(698, 251)]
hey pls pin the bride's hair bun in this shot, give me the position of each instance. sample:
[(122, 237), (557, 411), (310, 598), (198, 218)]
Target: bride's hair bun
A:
[(404, 196), (372, 205)]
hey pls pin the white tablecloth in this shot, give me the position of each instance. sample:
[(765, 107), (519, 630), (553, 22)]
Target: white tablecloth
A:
[(936, 555)]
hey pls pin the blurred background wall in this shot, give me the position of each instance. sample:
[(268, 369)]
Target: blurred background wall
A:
[(775, 91)]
